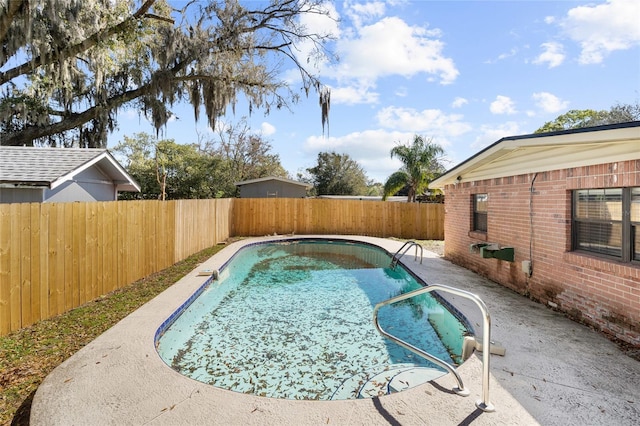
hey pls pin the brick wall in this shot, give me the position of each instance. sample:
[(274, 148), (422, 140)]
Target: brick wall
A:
[(532, 213)]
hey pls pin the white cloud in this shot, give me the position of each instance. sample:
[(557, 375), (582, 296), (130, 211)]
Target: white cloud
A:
[(549, 102), (360, 13), (503, 56), (324, 23), (502, 105), (352, 95), (512, 52), (552, 54), (372, 48), (267, 129), (428, 122), (603, 28), (401, 92), (490, 134), (459, 102), (391, 47), (372, 148)]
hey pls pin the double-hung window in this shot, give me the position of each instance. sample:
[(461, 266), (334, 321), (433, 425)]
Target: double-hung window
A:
[(607, 221), (480, 209), (634, 223)]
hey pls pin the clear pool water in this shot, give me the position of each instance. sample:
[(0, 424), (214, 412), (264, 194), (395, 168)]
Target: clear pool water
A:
[(294, 320)]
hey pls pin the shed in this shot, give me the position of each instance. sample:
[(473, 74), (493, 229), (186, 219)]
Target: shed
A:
[(273, 187), (555, 216), (29, 174), (393, 199)]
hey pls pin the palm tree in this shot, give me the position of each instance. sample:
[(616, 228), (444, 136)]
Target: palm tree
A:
[(422, 163)]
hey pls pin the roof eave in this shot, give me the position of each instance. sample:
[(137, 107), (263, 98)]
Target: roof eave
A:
[(24, 184), (266, 179), (116, 172), (611, 143)]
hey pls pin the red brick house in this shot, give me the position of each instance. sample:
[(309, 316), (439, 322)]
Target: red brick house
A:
[(556, 217)]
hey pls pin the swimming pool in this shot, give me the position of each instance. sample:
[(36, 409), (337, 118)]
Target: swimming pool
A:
[(293, 320), (119, 378)]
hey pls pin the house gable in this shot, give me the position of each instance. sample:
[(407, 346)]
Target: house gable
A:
[(59, 174)]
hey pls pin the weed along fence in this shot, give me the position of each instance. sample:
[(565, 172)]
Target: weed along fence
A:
[(57, 256)]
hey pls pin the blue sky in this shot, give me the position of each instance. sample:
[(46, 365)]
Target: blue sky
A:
[(465, 73)]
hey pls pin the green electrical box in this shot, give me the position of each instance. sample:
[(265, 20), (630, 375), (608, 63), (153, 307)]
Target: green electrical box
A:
[(504, 253)]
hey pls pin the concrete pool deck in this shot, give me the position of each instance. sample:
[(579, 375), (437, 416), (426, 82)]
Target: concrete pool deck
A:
[(554, 372)]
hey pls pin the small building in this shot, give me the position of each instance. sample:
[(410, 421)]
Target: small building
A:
[(556, 217), (394, 199), (273, 187), (34, 175)]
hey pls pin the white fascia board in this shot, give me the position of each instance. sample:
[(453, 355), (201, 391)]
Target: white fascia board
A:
[(517, 156), (126, 184), (557, 159), (69, 176)]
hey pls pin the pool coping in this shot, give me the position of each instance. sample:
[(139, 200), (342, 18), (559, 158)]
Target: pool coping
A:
[(120, 379)]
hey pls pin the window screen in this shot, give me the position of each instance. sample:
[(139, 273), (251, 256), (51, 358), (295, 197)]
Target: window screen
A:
[(597, 218), (607, 221), (634, 215), (480, 209)]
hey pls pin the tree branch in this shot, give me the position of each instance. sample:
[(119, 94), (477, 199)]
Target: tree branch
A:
[(54, 56), (6, 18), (72, 121)]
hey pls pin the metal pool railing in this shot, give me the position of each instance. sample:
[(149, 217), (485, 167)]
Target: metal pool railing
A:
[(405, 248), (482, 404)]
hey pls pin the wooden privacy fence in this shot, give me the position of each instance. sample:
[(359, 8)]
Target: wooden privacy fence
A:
[(266, 216), (57, 256)]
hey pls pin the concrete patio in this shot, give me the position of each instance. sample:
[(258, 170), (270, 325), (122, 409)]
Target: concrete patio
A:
[(554, 372)]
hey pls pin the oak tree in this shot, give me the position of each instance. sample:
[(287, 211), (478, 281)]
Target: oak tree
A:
[(338, 174), (245, 154), (68, 66), (575, 119)]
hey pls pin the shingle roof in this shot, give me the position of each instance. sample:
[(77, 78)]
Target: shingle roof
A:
[(52, 166)]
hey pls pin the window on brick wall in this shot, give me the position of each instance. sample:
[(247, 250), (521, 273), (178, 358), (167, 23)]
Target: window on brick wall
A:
[(634, 219), (607, 221), (480, 208)]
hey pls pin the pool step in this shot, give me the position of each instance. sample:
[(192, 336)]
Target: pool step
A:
[(387, 380), (397, 380), (414, 377)]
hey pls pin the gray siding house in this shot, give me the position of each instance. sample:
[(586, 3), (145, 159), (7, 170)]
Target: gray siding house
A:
[(37, 175), (272, 187)]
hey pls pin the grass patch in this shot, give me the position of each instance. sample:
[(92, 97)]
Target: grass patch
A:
[(30, 354)]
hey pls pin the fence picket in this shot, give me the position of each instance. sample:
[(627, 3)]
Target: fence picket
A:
[(5, 267), (57, 256)]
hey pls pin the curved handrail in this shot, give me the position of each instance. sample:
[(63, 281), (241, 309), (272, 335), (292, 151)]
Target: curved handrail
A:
[(483, 404), (396, 257)]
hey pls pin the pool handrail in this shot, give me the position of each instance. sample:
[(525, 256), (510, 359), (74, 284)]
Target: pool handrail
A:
[(396, 257), (482, 404)]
